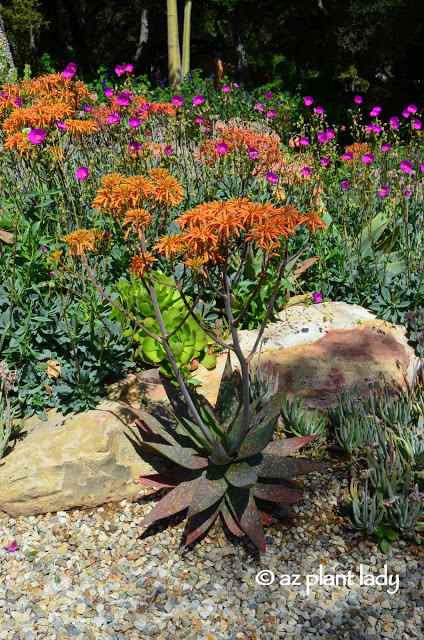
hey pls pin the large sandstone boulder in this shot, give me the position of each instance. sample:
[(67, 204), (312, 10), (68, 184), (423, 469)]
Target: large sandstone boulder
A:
[(77, 460)]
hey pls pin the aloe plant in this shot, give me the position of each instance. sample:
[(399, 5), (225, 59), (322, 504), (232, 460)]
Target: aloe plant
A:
[(211, 480)]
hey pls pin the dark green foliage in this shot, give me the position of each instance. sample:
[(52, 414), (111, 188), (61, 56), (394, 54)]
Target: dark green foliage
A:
[(212, 482)]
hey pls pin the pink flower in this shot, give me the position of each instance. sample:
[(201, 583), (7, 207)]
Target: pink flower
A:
[(394, 122), (376, 128), (198, 100), (199, 120), (36, 136), (325, 161), (412, 108), (167, 149), (386, 147), (304, 142), (330, 134), (306, 171), (222, 148), (322, 137), (120, 69), (226, 88), (342, 127), (114, 118), (374, 113), (407, 192), (271, 177), (358, 99), (348, 156), (422, 168), (319, 111), (384, 190), (61, 125), (270, 113), (44, 249), (177, 100), (88, 107), (17, 102), (146, 106), (368, 158), (417, 124), (317, 297), (252, 153), (308, 101), (109, 93), (129, 68), (268, 95), (406, 113), (70, 70), (406, 166), (368, 128), (12, 547), (258, 107), (345, 184), (123, 99), (134, 146), (134, 122), (82, 173)]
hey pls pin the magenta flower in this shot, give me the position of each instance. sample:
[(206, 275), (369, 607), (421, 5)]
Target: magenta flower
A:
[(129, 68), (358, 99), (252, 153), (386, 147), (412, 108), (308, 101), (345, 184), (422, 168), (123, 99), (406, 113), (70, 70), (322, 137), (134, 145), (258, 107), (61, 125), (271, 177), (17, 102), (177, 100), (268, 95), (406, 166), (88, 107), (368, 128), (407, 193), (199, 120), (374, 113), (222, 148), (342, 127), (348, 156), (226, 88), (146, 106), (384, 190), (198, 100), (376, 128), (167, 149), (304, 142), (394, 122), (36, 136), (306, 171), (368, 158), (325, 161), (270, 113), (82, 173), (319, 111), (330, 134), (109, 93), (317, 297), (114, 118), (134, 122), (44, 249), (417, 124), (120, 69), (12, 547)]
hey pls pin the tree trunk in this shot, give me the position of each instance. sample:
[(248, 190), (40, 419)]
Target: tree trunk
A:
[(78, 32), (174, 56), (7, 66), (186, 38), (144, 33)]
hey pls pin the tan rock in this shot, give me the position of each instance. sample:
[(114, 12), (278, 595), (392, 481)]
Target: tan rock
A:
[(77, 460)]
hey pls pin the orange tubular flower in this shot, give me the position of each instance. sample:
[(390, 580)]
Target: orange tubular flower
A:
[(166, 189), (80, 127), (80, 240), (169, 245), (137, 218), (140, 263), (20, 142)]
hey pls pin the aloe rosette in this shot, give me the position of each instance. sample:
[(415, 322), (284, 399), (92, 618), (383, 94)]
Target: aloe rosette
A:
[(241, 488)]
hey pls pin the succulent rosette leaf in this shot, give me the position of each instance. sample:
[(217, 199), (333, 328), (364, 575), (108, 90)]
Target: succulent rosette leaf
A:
[(209, 482)]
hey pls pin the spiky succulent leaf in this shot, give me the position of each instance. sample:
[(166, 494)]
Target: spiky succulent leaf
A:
[(194, 433), (241, 474), (256, 442), (247, 516), (209, 490), (153, 425), (230, 521), (266, 510), (219, 456), (201, 522), (280, 492), (169, 478), (272, 466), (174, 501), (288, 446), (228, 400), (269, 411), (234, 429), (184, 456)]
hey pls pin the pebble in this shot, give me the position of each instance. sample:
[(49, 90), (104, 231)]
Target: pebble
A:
[(94, 576)]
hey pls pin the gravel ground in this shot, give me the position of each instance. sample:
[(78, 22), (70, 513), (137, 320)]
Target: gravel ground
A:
[(95, 574)]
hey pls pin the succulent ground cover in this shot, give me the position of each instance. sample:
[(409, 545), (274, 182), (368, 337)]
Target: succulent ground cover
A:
[(138, 232)]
